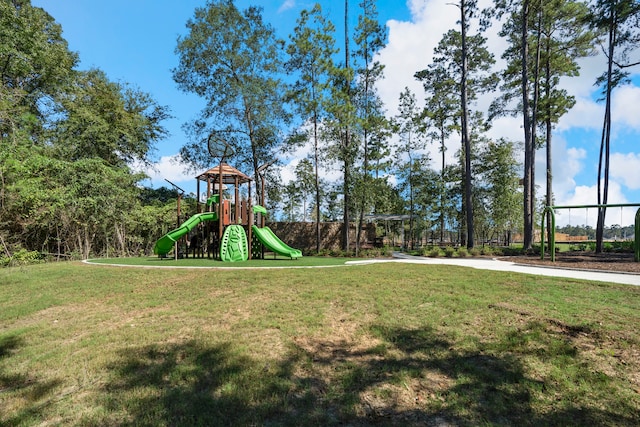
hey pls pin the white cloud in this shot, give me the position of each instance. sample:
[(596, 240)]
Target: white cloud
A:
[(169, 168), (288, 4), (626, 169), (585, 114), (410, 47), (507, 127), (589, 114), (625, 106)]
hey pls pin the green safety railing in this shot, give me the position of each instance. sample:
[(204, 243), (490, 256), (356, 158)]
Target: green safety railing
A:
[(552, 238)]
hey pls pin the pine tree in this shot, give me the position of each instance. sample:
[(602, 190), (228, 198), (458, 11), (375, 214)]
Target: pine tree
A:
[(311, 50)]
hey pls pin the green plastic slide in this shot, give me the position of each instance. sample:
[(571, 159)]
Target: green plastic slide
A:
[(273, 243), (166, 242), (259, 209)]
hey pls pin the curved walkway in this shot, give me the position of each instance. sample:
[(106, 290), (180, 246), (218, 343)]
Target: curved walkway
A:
[(479, 263), (497, 265)]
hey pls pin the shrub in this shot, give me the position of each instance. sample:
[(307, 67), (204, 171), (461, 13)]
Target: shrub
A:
[(21, 257), (463, 253), (433, 253), (487, 251), (449, 251), (511, 251), (474, 252), (376, 253), (623, 246), (324, 252)]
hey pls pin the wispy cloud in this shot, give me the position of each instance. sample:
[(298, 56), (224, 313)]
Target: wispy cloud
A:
[(288, 4), (168, 167)]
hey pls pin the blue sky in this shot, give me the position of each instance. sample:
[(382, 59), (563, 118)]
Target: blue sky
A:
[(133, 41)]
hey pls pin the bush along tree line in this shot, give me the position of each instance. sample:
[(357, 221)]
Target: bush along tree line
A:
[(69, 137)]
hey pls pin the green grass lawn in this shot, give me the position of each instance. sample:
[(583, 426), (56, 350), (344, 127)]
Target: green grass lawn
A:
[(382, 344)]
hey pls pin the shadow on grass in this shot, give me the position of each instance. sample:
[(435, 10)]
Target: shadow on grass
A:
[(334, 383), (192, 385), (20, 387), (491, 386)]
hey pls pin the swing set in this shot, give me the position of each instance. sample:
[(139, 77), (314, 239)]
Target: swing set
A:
[(552, 238)]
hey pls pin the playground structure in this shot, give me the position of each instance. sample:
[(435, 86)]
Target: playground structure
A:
[(550, 210), (227, 229)]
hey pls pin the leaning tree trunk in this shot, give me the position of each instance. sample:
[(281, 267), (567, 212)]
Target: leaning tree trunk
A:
[(605, 143)]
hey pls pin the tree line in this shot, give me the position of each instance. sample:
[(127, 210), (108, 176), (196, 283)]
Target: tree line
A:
[(614, 232), (69, 138)]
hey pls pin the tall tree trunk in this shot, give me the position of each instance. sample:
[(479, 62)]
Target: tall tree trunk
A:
[(605, 143), (347, 154), (365, 177), (549, 151), (534, 123), (528, 143), (549, 195), (443, 188), (316, 178), (466, 139), (411, 201)]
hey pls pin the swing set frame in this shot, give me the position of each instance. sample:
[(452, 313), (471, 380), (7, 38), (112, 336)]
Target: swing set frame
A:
[(552, 238)]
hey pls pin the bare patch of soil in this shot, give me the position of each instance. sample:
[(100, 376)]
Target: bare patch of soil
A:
[(609, 261)]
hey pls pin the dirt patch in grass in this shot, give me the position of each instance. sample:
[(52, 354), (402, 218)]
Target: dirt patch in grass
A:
[(350, 361), (614, 353), (608, 261)]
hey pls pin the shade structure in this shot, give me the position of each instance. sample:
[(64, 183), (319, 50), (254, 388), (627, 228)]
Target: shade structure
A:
[(230, 175)]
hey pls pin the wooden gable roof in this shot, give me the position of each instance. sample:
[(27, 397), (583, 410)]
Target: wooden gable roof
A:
[(229, 175)]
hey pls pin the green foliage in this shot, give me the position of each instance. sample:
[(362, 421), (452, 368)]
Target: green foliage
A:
[(103, 119), (67, 140), (512, 250), (487, 251), (21, 257), (157, 196), (545, 41), (614, 232), (432, 252), (310, 52), (498, 177), (81, 207), (449, 251), (622, 246), (232, 59), (64, 206), (36, 63)]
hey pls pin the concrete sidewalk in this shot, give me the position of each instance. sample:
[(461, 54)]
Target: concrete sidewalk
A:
[(497, 265)]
